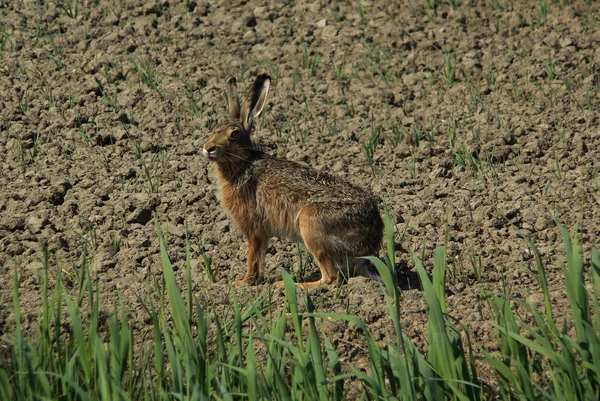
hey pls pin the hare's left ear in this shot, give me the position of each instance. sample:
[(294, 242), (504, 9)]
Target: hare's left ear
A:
[(255, 101), (233, 101)]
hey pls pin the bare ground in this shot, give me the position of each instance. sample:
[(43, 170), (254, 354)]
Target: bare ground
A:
[(469, 122)]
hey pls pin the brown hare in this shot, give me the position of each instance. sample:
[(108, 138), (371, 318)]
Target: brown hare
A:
[(267, 196)]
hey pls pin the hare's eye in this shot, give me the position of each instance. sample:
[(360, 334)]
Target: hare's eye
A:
[(235, 134)]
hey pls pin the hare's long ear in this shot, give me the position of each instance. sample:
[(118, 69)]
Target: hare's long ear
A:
[(255, 101), (233, 100)]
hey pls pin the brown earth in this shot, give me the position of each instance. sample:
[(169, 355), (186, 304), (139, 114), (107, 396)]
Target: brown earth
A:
[(458, 118)]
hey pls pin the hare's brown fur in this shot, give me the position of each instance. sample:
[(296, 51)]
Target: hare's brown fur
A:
[(267, 196)]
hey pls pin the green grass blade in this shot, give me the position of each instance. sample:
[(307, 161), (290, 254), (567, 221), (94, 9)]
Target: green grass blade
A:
[(85, 360), (277, 356), (541, 276), (575, 284), (439, 276), (443, 356), (595, 270), (292, 302), (528, 343), (336, 368), (317, 355), (438, 339), (6, 392), (251, 386), (188, 274), (175, 364), (102, 370), (389, 239), (19, 347), (180, 320)]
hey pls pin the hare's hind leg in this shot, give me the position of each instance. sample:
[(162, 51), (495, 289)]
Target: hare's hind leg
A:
[(316, 241), (328, 272), (257, 245)]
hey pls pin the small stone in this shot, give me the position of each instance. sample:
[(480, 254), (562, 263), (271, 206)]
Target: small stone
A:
[(119, 133), (410, 79), (144, 205), (141, 216), (36, 223), (63, 243), (565, 41), (103, 262), (251, 21), (338, 166), (222, 226), (13, 223), (437, 173), (148, 146), (261, 12), (542, 223), (124, 118), (249, 36), (329, 32), (57, 193), (174, 229), (321, 23)]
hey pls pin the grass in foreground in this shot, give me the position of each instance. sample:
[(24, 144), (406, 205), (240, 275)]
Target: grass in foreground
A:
[(192, 354)]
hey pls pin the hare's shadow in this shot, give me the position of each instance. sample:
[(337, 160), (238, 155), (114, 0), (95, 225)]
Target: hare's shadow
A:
[(406, 278)]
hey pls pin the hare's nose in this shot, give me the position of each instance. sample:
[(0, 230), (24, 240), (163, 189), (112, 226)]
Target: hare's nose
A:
[(210, 152)]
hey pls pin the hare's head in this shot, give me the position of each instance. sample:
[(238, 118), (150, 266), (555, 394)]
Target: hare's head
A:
[(230, 142)]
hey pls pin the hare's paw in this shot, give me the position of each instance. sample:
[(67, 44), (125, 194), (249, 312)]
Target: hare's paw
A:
[(313, 284), (306, 284), (246, 281), (239, 283)]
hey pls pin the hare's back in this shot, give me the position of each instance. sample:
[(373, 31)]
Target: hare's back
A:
[(291, 179)]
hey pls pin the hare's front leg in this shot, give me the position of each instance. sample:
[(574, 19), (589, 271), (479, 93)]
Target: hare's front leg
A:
[(257, 247)]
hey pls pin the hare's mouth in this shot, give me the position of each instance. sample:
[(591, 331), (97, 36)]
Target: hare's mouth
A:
[(211, 154)]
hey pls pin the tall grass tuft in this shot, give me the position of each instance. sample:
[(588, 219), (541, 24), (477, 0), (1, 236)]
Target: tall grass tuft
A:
[(264, 350), (447, 371), (541, 359)]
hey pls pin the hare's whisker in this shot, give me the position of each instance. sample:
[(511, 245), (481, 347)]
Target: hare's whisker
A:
[(234, 155)]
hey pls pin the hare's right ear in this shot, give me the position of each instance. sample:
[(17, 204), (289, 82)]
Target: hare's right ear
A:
[(255, 101), (233, 100)]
